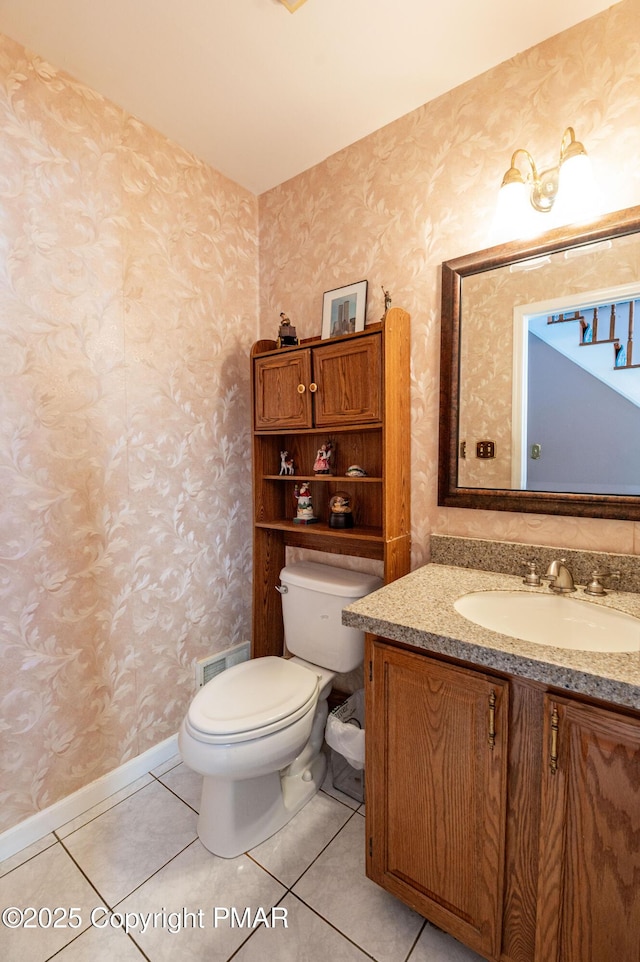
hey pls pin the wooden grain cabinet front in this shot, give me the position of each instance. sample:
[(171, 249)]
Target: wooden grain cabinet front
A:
[(537, 862), (589, 869), (325, 386), (436, 790), (281, 391)]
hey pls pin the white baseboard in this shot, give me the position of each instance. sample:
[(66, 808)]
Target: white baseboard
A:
[(37, 826)]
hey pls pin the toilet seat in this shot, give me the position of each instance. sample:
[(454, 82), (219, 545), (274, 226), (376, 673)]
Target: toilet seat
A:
[(252, 699)]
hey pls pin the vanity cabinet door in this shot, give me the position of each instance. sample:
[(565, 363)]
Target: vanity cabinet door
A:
[(589, 877), (436, 790)]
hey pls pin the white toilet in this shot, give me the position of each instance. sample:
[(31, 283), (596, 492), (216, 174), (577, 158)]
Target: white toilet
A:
[(255, 731)]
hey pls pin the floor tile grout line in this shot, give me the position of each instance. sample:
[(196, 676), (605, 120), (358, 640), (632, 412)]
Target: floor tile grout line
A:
[(158, 778), (52, 958), (417, 939), (332, 925), (312, 862), (31, 857), (289, 891), (153, 874), (104, 902), (56, 831)]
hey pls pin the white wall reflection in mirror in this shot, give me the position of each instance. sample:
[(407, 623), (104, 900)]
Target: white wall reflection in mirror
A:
[(560, 401)]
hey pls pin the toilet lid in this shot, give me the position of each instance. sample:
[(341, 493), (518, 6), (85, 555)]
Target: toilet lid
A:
[(254, 696)]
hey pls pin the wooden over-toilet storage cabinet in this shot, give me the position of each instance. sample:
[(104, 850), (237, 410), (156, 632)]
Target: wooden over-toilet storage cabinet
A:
[(354, 391)]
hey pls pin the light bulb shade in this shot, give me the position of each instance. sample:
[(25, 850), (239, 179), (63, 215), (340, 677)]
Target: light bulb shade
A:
[(578, 198), (514, 214)]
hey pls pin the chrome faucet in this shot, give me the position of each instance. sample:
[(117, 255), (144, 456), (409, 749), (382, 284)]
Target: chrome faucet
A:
[(559, 577)]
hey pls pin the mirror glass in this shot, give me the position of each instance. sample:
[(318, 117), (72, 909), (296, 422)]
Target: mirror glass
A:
[(540, 389)]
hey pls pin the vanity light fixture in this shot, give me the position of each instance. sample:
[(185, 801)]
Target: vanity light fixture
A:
[(568, 190), (292, 5)]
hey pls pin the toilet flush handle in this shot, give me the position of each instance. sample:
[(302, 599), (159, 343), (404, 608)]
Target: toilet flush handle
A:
[(282, 589)]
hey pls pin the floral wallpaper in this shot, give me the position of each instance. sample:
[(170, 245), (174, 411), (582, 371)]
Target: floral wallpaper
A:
[(128, 306), (132, 280)]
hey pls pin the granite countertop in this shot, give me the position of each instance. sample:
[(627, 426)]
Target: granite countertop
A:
[(418, 611)]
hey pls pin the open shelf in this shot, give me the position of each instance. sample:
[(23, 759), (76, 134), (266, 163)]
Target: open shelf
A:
[(321, 477), (322, 528)]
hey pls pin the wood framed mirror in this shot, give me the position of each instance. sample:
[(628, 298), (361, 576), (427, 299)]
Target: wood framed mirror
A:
[(509, 398)]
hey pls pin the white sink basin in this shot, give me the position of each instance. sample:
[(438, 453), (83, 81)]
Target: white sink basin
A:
[(552, 620)]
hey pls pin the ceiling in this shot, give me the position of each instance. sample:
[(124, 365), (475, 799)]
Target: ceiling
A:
[(262, 94)]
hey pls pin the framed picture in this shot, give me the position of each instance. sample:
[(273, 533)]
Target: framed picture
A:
[(344, 310)]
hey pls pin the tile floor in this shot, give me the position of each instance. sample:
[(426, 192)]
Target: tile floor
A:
[(138, 855)]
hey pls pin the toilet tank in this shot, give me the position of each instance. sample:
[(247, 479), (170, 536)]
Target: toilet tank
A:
[(312, 611)]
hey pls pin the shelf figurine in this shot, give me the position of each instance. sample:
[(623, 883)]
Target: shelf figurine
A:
[(287, 334), (286, 463), (322, 465), (304, 513), (340, 514)]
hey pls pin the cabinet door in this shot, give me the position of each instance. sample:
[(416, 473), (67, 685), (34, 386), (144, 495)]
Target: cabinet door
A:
[(436, 791), (281, 391), (349, 387), (589, 883)]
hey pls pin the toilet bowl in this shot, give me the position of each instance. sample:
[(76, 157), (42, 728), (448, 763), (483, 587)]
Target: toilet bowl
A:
[(255, 732)]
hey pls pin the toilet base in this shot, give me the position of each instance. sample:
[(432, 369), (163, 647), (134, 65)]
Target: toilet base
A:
[(237, 815)]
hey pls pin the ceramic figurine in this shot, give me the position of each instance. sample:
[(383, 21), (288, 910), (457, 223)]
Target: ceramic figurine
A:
[(286, 463), (321, 464), (340, 513), (355, 471), (304, 513), (287, 334)]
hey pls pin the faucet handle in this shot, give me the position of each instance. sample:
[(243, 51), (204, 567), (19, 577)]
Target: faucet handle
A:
[(532, 577), (595, 586)]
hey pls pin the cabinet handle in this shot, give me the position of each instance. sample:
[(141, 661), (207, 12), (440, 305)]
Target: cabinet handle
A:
[(553, 756), (301, 389), (313, 387), (492, 720)]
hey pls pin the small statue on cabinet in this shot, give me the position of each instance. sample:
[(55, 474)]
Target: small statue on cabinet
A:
[(322, 465), (286, 463), (387, 302), (287, 333), (304, 512)]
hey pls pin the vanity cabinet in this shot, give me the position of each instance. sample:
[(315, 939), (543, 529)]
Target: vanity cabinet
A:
[(589, 869), (527, 851), (354, 391), (436, 790)]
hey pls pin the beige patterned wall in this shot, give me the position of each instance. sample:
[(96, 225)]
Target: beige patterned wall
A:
[(393, 206), (128, 305)]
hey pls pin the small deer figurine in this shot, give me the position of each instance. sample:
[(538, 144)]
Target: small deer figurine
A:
[(286, 463)]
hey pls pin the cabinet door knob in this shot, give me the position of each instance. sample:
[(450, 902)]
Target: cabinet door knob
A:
[(313, 387), (301, 389)]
